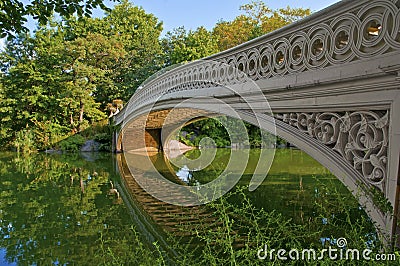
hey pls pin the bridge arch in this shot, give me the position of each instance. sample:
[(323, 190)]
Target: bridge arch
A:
[(332, 82)]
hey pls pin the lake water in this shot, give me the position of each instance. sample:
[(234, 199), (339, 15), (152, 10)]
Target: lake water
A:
[(61, 209)]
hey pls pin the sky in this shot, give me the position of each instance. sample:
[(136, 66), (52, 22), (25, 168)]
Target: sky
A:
[(194, 13)]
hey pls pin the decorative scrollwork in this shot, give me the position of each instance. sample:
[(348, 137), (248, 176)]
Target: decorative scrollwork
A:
[(361, 138), (370, 29)]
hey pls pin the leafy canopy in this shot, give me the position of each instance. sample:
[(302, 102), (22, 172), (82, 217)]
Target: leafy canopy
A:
[(13, 13), (184, 46), (59, 81), (258, 20)]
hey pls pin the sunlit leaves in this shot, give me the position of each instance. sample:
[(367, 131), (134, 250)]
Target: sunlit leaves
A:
[(59, 80), (258, 20), (184, 46), (232, 33), (13, 13)]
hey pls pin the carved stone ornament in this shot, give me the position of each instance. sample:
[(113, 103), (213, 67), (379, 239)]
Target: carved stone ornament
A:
[(361, 138)]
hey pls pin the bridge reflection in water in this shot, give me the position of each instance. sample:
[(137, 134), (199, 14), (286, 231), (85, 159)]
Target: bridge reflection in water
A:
[(291, 188), (155, 218)]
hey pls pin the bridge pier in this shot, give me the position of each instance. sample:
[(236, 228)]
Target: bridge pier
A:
[(116, 143), (135, 139), (152, 138)]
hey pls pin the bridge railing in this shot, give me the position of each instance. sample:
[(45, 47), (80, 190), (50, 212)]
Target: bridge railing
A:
[(345, 32)]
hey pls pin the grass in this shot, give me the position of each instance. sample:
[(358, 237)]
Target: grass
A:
[(241, 232)]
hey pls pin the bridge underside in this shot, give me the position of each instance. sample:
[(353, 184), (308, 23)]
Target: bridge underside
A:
[(145, 134), (352, 141)]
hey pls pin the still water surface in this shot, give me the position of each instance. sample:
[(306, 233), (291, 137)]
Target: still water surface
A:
[(60, 209)]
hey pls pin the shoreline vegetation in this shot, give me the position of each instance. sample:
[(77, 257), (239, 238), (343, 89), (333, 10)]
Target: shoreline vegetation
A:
[(98, 138)]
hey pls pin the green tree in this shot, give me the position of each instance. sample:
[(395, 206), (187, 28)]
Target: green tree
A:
[(50, 89), (258, 20), (184, 46), (262, 14), (59, 81), (88, 71), (5, 129), (233, 33), (13, 13), (137, 33), (27, 99), (268, 20)]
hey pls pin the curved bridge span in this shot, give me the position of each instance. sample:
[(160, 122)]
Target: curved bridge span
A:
[(332, 82)]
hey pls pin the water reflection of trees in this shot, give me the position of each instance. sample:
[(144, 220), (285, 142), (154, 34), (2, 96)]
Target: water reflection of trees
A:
[(56, 209)]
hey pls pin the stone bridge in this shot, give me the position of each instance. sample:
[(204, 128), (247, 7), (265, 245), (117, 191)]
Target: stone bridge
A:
[(332, 82)]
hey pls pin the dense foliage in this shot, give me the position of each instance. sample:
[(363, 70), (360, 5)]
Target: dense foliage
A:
[(65, 76), (13, 12), (258, 20), (58, 81)]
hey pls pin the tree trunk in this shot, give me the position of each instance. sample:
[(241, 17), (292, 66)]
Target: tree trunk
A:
[(81, 111), (71, 119)]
